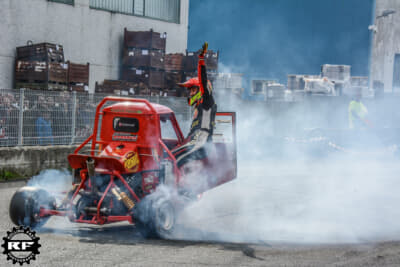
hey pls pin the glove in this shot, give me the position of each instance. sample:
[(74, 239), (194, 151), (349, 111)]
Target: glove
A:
[(204, 49)]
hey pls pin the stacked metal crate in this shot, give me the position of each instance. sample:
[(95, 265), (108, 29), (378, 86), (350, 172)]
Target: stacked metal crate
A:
[(190, 63), (117, 87), (227, 80), (340, 75), (42, 66), (336, 73), (295, 82), (226, 83), (143, 60), (78, 77), (362, 82), (174, 74)]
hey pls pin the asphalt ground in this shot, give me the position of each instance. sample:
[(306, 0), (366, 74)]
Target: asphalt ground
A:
[(264, 218)]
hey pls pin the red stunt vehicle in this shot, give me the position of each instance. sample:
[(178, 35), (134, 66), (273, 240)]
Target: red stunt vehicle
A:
[(125, 170)]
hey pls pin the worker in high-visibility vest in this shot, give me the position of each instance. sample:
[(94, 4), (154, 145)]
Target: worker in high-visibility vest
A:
[(358, 112)]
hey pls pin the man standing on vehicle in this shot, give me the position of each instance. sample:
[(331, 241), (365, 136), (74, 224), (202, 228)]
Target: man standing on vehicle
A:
[(201, 129)]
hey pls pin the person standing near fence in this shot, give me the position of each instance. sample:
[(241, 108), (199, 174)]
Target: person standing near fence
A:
[(43, 129), (358, 112)]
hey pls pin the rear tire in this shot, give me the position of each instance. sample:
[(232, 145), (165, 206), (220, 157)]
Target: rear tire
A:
[(25, 206), (164, 219), (155, 218)]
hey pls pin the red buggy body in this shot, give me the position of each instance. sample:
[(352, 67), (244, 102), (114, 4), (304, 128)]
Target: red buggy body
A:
[(118, 169)]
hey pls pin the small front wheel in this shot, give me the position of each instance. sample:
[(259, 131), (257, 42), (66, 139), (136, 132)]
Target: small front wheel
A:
[(25, 206)]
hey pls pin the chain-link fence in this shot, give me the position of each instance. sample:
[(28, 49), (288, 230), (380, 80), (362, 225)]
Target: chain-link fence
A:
[(32, 117)]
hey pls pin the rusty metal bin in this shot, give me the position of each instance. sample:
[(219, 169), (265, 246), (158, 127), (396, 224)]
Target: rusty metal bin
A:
[(172, 78), (41, 52), (145, 39), (138, 57), (173, 62), (150, 77), (40, 72), (78, 73), (191, 59)]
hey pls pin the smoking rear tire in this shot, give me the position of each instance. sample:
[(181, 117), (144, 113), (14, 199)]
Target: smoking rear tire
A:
[(146, 230), (155, 218), (25, 206), (164, 219)]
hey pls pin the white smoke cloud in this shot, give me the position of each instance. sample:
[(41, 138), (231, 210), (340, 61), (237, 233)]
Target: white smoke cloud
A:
[(323, 184), (327, 201), (293, 185), (52, 180)]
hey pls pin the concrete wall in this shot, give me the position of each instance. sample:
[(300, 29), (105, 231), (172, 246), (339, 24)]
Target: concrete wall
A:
[(29, 161), (87, 35), (386, 43)]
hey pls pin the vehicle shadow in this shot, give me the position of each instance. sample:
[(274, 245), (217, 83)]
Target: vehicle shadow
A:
[(129, 235)]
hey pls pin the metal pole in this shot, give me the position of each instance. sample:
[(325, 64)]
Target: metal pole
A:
[(21, 115), (73, 117)]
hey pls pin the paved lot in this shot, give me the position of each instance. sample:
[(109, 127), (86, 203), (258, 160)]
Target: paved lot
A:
[(289, 217)]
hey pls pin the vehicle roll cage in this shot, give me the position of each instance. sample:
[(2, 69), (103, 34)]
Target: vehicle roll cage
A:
[(99, 112)]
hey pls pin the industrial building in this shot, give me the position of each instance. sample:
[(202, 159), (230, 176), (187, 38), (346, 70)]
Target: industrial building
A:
[(89, 30), (385, 53)]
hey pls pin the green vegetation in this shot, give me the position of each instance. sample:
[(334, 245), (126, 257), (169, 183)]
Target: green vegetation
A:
[(6, 175)]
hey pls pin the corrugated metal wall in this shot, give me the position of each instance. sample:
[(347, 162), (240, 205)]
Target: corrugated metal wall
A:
[(139, 7), (168, 10), (163, 9), (121, 6)]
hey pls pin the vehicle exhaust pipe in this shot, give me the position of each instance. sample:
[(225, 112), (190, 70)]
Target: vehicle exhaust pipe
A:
[(90, 168)]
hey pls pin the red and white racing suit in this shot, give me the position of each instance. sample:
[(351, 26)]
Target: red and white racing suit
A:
[(201, 129)]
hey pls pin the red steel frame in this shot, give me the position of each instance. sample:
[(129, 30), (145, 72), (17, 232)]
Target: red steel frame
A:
[(98, 218), (102, 219)]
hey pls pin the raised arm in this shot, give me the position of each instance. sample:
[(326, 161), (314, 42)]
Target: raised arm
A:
[(202, 75)]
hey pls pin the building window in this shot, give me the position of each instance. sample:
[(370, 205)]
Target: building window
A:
[(167, 10), (69, 2)]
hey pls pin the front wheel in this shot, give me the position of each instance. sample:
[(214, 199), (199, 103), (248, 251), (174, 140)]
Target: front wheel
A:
[(25, 206)]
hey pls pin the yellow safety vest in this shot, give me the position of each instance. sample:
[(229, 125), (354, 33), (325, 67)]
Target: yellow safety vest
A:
[(357, 111)]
